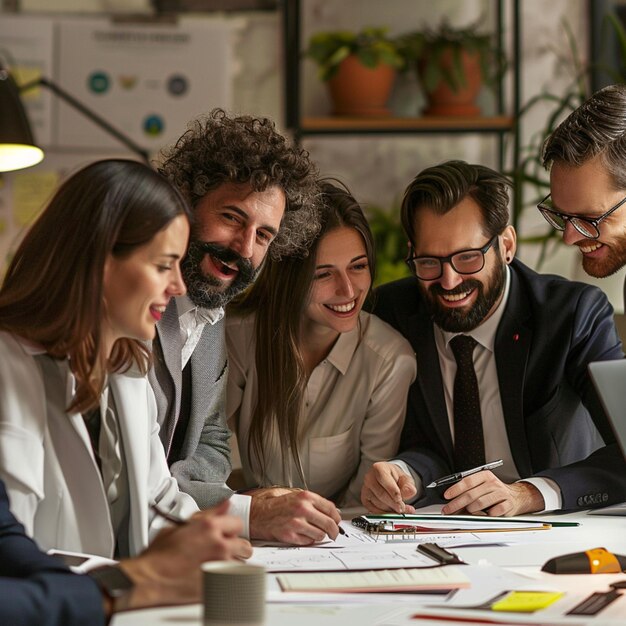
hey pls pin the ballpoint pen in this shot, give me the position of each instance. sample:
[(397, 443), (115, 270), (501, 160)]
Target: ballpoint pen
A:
[(455, 478), (341, 530)]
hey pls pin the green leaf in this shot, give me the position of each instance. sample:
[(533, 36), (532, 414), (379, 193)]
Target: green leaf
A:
[(458, 72), (431, 75), (339, 55), (368, 57)]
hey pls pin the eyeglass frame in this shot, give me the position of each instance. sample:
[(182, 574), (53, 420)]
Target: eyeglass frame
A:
[(448, 259), (568, 217)]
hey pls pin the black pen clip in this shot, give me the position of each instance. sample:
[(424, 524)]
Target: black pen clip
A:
[(439, 554)]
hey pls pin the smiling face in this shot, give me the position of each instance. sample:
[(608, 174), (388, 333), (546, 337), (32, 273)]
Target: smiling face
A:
[(232, 234), (138, 287), (341, 282), (460, 302), (588, 191)]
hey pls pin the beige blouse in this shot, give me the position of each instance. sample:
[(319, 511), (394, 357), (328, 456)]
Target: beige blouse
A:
[(354, 407)]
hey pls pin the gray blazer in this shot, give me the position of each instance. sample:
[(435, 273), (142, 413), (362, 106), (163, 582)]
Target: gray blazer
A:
[(205, 464)]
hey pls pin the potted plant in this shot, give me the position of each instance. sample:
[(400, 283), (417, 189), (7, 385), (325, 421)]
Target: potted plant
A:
[(452, 65), (359, 68)]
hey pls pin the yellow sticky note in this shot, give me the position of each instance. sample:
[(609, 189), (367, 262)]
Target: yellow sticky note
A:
[(526, 601)]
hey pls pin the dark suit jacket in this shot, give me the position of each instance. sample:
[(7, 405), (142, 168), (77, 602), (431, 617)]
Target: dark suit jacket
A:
[(550, 330), (36, 588)]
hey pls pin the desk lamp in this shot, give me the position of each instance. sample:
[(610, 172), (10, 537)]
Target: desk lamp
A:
[(17, 146)]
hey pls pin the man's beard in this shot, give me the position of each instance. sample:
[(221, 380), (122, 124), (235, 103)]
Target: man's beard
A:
[(460, 320), (614, 260), (207, 291)]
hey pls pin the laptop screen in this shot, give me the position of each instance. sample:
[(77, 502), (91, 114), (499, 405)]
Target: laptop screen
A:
[(609, 379)]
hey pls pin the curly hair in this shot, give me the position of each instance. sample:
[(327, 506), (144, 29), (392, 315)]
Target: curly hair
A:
[(246, 150), (596, 128)]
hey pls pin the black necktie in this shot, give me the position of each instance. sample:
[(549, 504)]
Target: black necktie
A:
[(469, 447)]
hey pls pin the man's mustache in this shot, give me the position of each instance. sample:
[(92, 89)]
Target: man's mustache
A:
[(465, 286), (198, 249)]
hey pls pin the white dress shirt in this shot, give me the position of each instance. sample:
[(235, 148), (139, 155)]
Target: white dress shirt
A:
[(494, 428), (192, 320), (354, 408)]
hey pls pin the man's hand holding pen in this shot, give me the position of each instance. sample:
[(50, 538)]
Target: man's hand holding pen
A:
[(484, 492), (386, 487), (294, 516), (478, 491), (456, 477)]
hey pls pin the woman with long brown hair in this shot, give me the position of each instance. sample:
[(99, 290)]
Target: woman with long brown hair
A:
[(79, 447), (317, 387)]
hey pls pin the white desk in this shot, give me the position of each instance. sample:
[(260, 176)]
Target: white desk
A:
[(525, 557)]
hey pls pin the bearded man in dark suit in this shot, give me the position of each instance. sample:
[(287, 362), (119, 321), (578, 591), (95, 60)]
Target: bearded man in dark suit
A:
[(502, 355)]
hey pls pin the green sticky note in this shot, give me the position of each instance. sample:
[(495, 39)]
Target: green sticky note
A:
[(526, 601)]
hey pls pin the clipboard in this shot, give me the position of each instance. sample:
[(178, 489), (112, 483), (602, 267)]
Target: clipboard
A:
[(413, 526)]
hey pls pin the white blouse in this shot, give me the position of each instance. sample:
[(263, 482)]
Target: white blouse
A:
[(354, 409)]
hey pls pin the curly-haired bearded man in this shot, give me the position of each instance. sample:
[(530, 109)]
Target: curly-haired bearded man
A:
[(253, 194)]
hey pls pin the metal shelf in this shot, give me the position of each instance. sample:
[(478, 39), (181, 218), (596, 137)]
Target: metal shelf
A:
[(432, 124), (500, 125)]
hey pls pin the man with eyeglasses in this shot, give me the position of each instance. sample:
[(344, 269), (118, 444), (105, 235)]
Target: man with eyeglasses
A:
[(586, 156), (502, 356)]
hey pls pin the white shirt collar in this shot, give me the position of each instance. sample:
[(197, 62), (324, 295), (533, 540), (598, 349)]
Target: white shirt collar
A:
[(342, 352), (184, 305)]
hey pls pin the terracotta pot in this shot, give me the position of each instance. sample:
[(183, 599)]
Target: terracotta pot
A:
[(359, 90), (445, 101)]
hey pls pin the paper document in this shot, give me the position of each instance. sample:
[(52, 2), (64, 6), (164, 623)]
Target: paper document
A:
[(449, 577), (340, 559)]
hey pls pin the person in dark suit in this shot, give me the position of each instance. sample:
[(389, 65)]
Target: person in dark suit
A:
[(39, 590), (502, 358)]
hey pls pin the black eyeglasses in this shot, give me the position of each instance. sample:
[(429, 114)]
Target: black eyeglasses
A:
[(586, 226), (463, 262)]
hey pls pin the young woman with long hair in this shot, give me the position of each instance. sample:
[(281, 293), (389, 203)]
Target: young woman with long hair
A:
[(79, 447), (317, 387)]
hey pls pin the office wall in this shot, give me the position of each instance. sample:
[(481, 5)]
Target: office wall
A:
[(377, 168)]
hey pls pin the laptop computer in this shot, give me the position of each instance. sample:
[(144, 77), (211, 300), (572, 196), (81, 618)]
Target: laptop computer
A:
[(609, 379)]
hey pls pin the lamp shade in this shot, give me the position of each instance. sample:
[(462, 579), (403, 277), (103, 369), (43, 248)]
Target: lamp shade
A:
[(17, 146)]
